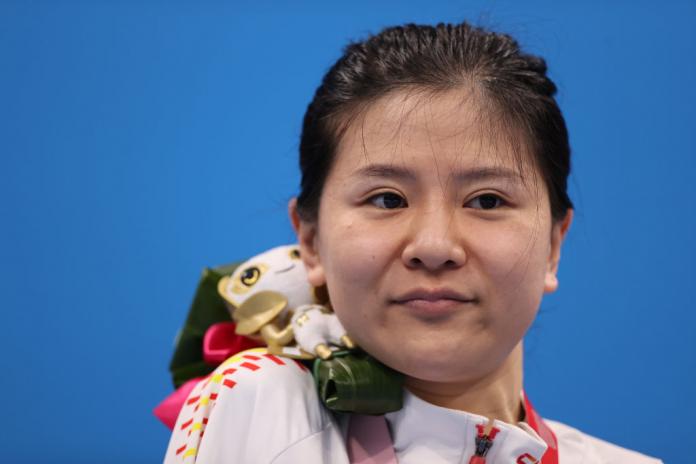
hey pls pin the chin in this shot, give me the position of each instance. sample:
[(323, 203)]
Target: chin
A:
[(439, 361)]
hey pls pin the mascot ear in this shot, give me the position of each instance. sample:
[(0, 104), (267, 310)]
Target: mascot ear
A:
[(222, 290), (258, 310)]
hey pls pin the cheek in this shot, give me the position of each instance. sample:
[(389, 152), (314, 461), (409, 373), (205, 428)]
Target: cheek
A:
[(353, 259), (513, 261)]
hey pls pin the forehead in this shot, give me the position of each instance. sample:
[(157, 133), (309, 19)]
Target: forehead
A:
[(456, 127)]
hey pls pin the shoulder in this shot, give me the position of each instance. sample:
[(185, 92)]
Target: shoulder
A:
[(576, 447), (255, 407)]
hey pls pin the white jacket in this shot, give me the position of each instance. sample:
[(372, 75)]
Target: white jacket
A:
[(258, 408)]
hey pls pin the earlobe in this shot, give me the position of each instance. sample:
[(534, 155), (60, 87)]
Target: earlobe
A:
[(550, 282), (307, 239), (558, 234)]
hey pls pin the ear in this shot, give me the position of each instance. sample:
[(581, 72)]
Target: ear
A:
[(307, 238), (222, 289), (558, 234)]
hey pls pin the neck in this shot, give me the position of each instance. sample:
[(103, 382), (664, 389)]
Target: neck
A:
[(496, 395)]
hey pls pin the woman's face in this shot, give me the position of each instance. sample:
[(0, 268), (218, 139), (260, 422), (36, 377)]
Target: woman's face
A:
[(435, 242)]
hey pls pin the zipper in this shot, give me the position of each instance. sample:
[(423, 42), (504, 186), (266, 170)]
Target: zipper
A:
[(484, 441)]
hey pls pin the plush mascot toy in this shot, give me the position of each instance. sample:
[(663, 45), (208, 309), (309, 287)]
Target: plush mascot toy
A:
[(268, 301), (271, 301)]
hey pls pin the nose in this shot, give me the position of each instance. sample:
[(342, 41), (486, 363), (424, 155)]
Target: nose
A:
[(435, 242)]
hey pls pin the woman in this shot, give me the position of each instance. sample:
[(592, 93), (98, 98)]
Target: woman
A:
[(433, 207)]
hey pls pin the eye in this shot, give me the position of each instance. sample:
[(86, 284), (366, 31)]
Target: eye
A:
[(250, 276), (486, 201), (294, 253), (388, 200)]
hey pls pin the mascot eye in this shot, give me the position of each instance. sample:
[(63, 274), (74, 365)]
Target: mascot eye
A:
[(295, 253), (250, 276)]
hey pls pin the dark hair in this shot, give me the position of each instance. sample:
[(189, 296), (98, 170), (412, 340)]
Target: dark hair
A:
[(437, 58)]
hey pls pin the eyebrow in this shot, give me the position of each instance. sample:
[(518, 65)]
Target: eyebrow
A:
[(465, 175)]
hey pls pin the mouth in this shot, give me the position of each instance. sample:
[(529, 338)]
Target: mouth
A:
[(433, 303), (289, 268)]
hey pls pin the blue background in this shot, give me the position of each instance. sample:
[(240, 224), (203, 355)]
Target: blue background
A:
[(142, 141)]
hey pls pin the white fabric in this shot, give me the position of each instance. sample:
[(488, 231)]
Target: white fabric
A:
[(450, 435), (256, 408), (257, 411)]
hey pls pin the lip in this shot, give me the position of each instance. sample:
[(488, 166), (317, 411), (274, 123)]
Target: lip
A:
[(433, 302)]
